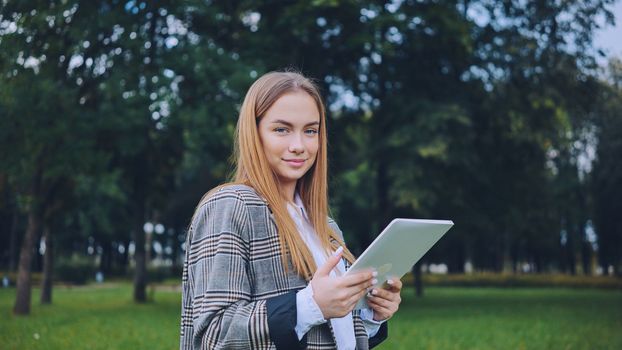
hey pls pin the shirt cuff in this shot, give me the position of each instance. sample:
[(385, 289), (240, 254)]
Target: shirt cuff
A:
[(371, 326), (308, 312)]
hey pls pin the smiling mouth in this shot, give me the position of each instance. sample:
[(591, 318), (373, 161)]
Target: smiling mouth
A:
[(295, 162)]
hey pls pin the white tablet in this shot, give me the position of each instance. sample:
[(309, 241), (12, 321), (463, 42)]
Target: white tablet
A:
[(398, 247)]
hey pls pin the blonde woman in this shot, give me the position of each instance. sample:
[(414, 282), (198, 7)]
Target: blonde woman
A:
[(264, 262)]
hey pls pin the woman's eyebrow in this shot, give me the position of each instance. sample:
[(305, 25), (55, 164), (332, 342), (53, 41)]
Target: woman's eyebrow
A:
[(286, 123)]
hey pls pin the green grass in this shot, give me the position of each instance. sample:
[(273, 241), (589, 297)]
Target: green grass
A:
[(492, 318), (92, 318), (446, 318)]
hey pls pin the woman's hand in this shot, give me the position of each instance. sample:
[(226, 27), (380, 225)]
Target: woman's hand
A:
[(337, 296), (385, 301)]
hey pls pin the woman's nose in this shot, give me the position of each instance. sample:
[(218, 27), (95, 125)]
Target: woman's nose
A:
[(295, 144)]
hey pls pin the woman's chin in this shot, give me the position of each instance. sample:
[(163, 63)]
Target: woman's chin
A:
[(292, 176)]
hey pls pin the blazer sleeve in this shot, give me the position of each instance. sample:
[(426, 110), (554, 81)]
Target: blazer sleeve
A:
[(217, 307), (380, 336)]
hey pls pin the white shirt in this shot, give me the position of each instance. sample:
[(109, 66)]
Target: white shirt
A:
[(308, 312)]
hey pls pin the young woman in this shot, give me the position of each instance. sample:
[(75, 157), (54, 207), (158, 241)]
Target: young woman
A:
[(264, 262)]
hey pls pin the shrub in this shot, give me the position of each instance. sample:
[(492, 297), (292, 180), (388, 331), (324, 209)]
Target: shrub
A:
[(502, 280), (76, 270), (158, 274)]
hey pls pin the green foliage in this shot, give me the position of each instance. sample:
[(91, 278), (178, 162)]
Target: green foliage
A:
[(126, 110), (75, 270), (158, 274), (606, 179)]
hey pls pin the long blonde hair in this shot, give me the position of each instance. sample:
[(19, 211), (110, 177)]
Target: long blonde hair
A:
[(252, 169)]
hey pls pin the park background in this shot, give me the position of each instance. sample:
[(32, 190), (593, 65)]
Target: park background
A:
[(504, 116)]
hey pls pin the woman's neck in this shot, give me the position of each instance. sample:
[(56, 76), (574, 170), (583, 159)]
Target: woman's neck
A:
[(289, 190)]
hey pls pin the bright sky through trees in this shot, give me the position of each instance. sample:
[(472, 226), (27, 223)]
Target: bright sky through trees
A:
[(610, 38)]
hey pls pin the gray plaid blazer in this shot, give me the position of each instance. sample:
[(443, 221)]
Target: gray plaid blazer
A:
[(236, 292)]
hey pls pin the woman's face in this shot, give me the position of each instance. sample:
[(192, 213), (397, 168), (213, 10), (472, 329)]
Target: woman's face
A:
[(289, 132)]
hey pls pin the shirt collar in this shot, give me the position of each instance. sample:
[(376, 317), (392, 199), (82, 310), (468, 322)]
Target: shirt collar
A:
[(299, 204)]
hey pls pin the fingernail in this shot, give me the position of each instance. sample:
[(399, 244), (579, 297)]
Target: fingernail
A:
[(338, 251), (390, 282), (374, 292), (374, 274), (374, 281)]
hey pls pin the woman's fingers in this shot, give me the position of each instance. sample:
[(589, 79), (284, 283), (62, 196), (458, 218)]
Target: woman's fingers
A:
[(330, 264), (347, 290), (380, 312), (386, 310), (394, 284), (357, 291), (356, 297), (358, 278), (385, 294), (384, 302)]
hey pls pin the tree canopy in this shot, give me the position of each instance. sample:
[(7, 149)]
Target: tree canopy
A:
[(494, 114)]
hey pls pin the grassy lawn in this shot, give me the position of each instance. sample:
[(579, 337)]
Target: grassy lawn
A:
[(446, 318), (92, 318), (493, 318)]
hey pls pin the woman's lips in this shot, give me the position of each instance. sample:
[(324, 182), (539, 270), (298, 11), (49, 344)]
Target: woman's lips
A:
[(295, 162)]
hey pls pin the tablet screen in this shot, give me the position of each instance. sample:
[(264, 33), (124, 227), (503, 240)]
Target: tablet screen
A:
[(400, 245)]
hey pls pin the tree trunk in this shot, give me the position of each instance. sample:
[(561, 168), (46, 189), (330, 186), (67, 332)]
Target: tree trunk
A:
[(124, 259), (148, 243), (22, 300), (418, 279), (140, 266), (105, 263), (506, 263), (538, 263), (48, 267), (13, 244), (500, 253), (570, 247), (586, 257), (514, 257)]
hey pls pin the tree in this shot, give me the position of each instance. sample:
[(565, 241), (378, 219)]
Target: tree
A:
[(606, 181), (41, 151)]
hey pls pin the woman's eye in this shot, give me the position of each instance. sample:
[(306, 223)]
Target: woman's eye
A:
[(280, 130), (311, 131)]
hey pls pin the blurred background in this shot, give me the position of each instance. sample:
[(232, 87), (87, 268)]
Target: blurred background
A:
[(503, 116)]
